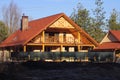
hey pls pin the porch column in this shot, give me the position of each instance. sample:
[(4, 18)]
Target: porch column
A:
[(79, 37), (43, 48), (24, 48), (43, 34), (78, 48), (10, 50), (114, 55), (61, 48), (2, 55), (93, 46)]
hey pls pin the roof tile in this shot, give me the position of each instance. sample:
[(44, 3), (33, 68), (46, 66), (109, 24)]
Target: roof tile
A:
[(108, 45), (116, 34)]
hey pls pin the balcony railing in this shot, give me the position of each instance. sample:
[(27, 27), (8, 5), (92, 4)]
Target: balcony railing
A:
[(52, 39)]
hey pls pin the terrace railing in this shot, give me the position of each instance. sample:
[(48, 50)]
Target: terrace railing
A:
[(52, 39)]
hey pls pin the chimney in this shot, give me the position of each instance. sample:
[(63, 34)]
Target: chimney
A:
[(24, 23)]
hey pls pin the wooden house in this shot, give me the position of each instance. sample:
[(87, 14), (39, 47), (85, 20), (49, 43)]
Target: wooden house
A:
[(111, 43), (56, 33)]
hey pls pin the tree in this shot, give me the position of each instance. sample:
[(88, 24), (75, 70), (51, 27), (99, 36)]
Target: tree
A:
[(92, 25), (81, 17), (98, 21), (113, 22), (99, 14), (3, 31), (11, 17)]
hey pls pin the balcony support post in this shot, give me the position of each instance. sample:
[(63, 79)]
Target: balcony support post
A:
[(43, 34), (24, 48)]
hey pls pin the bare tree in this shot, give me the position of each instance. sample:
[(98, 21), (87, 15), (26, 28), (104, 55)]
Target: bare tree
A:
[(11, 17)]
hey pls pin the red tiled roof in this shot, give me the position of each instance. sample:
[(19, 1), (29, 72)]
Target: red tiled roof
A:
[(108, 45), (116, 34), (111, 45), (35, 27)]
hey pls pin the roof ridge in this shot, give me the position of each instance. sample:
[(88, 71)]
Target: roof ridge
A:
[(59, 14)]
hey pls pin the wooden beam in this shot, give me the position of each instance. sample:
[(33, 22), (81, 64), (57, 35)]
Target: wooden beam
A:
[(91, 45), (34, 44)]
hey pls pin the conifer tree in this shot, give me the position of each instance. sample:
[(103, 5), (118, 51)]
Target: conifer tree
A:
[(3, 31), (113, 22)]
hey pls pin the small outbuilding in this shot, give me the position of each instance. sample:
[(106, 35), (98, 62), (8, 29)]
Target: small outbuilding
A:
[(110, 43)]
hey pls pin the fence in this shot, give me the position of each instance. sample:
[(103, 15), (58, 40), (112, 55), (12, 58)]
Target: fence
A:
[(63, 56)]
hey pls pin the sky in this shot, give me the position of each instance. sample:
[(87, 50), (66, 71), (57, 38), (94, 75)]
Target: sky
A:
[(41, 8)]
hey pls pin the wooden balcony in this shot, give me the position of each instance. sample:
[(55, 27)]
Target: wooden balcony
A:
[(51, 39)]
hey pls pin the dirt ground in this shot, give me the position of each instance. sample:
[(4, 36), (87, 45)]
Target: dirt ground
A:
[(59, 71)]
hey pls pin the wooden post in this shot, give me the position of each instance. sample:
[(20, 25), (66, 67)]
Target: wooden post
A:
[(9, 53), (79, 37), (43, 48), (61, 48), (78, 48), (24, 48), (43, 34), (2, 55), (114, 56)]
